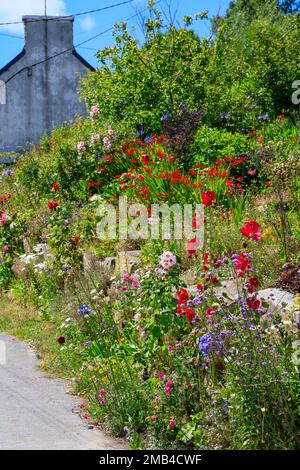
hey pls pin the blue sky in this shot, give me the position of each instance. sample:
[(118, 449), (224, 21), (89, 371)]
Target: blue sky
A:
[(11, 37)]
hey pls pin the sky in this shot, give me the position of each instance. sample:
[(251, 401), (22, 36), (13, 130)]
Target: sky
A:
[(87, 26)]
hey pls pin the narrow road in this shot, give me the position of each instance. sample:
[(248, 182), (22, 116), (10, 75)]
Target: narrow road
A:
[(35, 412)]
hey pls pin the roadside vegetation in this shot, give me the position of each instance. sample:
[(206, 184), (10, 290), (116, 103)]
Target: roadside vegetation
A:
[(181, 351)]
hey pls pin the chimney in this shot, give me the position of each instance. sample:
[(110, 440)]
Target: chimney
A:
[(46, 36)]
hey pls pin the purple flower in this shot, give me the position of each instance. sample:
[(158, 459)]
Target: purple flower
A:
[(85, 311)]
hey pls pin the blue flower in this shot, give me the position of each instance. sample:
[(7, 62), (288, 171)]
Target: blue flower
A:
[(206, 344), (85, 311)]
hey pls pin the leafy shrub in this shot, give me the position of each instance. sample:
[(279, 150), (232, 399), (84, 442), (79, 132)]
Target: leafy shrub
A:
[(211, 144)]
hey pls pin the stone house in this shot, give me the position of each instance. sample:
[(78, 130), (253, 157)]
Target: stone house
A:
[(39, 87)]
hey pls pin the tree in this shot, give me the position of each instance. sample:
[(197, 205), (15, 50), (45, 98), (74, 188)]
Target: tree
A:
[(143, 85), (254, 61)]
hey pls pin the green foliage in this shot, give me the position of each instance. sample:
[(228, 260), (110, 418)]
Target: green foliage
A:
[(254, 61), (139, 84), (211, 144)]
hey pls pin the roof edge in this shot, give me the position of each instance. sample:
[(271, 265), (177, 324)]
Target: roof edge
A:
[(13, 61), (83, 61)]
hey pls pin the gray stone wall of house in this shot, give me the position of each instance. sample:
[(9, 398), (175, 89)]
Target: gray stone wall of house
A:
[(40, 98)]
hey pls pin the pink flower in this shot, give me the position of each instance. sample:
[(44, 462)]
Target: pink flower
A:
[(168, 260), (110, 131), (153, 419), (81, 148), (95, 111), (170, 348), (126, 278), (3, 218), (172, 423), (107, 143), (96, 138), (85, 416)]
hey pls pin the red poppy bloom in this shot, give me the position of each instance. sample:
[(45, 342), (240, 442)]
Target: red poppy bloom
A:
[(208, 198), (182, 296), (190, 314), (253, 303), (252, 284), (52, 206), (55, 186), (251, 231)]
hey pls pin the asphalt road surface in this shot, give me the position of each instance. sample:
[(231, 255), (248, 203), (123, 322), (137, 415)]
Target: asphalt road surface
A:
[(35, 412)]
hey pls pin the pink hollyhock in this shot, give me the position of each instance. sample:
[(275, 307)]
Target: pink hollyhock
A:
[(3, 218), (192, 246), (81, 148)]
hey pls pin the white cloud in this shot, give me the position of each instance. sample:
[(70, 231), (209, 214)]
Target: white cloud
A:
[(88, 23), (15, 9)]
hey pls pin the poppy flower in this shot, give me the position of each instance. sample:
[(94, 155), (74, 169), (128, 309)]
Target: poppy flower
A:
[(55, 186), (190, 314), (253, 303), (52, 206), (208, 198), (182, 296), (252, 284), (251, 231)]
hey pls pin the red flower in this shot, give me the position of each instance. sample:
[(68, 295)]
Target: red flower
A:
[(52, 206), (182, 296), (252, 284), (192, 246), (268, 184), (208, 198), (179, 310), (251, 231), (210, 313), (55, 186), (94, 184), (145, 158), (253, 303), (75, 240), (190, 314)]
